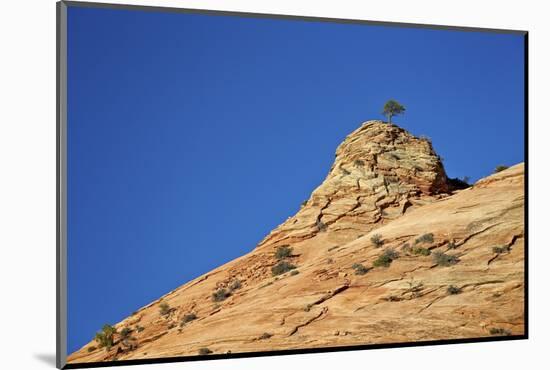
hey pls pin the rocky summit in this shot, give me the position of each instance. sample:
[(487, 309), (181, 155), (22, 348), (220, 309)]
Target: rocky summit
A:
[(385, 250)]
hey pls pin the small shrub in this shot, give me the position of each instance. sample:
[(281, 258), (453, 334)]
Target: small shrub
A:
[(266, 336), (442, 259), (502, 249), (386, 258), (92, 348), (382, 261), (393, 298), (188, 318), (125, 333), (376, 239), (426, 238), (415, 288), (500, 332), (236, 284), (358, 163), (303, 204), (281, 268), (452, 245), (294, 272), (204, 351), (164, 309), (307, 308), (360, 269), (452, 290), (220, 295), (283, 252), (421, 251), (139, 329), (344, 171), (104, 338), (500, 168), (321, 226), (129, 343)]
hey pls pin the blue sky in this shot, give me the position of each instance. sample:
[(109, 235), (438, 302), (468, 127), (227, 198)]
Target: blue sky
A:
[(190, 137)]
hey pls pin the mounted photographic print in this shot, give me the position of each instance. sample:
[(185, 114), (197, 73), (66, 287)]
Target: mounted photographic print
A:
[(236, 185)]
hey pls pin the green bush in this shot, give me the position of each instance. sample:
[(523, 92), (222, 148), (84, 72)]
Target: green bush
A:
[(500, 331), (188, 318), (139, 329), (452, 245), (281, 268), (500, 168), (358, 163), (294, 272), (130, 343), (104, 338), (502, 249), (236, 284), (164, 309), (204, 351), (321, 226), (283, 252), (266, 336), (376, 239), (426, 238), (125, 333), (360, 269), (91, 348), (386, 258), (451, 289), (442, 259), (220, 295), (393, 298), (421, 251)]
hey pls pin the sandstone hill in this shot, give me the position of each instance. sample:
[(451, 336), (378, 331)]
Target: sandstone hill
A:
[(384, 250)]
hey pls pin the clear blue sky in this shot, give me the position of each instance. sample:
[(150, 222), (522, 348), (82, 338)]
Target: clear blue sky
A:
[(190, 137)]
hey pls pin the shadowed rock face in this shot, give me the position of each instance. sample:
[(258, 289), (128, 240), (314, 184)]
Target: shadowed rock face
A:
[(465, 279)]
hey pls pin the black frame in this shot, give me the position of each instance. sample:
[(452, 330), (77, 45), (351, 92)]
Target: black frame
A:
[(61, 160)]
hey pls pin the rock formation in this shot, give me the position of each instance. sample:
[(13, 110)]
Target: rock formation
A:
[(384, 250)]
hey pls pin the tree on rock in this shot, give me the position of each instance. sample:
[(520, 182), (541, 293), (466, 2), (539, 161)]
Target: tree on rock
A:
[(392, 108)]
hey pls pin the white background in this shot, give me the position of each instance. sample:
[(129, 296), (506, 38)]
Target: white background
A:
[(27, 182)]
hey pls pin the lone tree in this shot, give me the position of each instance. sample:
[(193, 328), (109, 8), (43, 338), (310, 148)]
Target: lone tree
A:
[(392, 108)]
